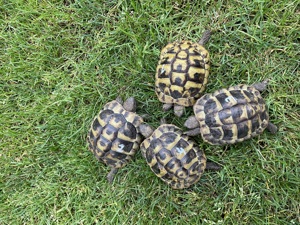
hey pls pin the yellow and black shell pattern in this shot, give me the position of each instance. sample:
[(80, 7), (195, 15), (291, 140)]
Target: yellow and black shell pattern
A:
[(231, 115), (173, 157), (114, 136), (182, 73)]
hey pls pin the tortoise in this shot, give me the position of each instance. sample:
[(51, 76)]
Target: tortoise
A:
[(114, 136), (182, 73), (173, 156), (231, 115)]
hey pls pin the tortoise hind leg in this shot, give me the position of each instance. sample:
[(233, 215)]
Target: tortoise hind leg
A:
[(272, 128), (111, 175), (213, 166)]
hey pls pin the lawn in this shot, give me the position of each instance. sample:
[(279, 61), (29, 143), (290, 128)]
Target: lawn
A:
[(61, 61)]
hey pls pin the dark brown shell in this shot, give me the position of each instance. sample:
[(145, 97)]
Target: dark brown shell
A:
[(114, 137), (182, 73), (231, 115), (174, 157)]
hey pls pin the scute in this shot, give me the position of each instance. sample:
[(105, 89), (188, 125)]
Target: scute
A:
[(173, 157), (182, 66), (231, 115), (103, 145), (163, 156), (104, 115), (210, 106), (243, 129)]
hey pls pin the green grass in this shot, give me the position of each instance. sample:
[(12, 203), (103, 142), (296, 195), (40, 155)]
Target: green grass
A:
[(61, 61)]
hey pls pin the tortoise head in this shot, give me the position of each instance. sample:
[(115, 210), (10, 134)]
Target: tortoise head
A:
[(146, 130)]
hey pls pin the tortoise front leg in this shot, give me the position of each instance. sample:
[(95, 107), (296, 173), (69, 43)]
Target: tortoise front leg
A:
[(167, 106), (193, 132), (130, 104), (261, 86), (178, 110)]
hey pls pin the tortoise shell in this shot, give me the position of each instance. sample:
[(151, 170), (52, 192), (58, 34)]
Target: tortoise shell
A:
[(182, 73), (173, 157), (113, 136), (231, 115)]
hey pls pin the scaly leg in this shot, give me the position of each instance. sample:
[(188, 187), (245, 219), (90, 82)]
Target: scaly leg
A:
[(272, 128), (111, 175)]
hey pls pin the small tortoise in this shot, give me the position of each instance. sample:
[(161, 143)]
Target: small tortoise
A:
[(114, 135), (182, 73), (231, 115), (173, 157)]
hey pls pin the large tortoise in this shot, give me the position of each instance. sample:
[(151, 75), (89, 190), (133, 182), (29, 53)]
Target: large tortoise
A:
[(114, 136), (173, 156), (231, 115), (182, 73)]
